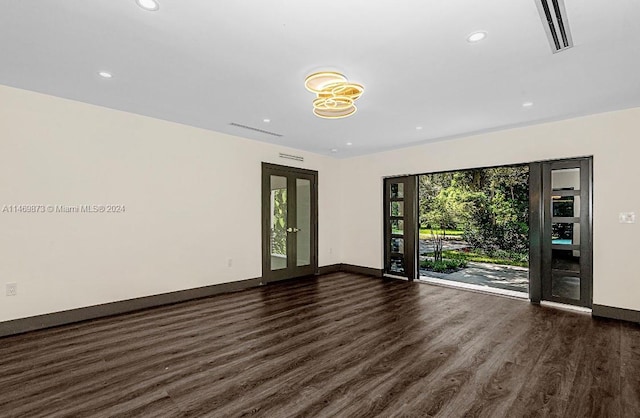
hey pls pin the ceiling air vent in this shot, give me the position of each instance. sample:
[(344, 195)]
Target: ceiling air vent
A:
[(262, 131), (556, 24), (291, 157)]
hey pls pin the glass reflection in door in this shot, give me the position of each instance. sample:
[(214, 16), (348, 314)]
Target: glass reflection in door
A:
[(303, 222), (565, 233), (278, 223)]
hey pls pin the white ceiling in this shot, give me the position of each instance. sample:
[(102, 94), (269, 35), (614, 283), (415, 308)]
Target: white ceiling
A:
[(209, 63)]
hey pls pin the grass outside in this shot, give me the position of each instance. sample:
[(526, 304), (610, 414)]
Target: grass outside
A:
[(425, 233)]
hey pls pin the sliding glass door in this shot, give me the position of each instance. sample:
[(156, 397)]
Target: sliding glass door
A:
[(509, 229)]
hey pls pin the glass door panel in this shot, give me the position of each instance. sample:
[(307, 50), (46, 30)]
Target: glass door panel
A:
[(565, 179), (396, 266), (566, 287), (565, 206), (397, 190), (303, 222), (397, 227), (397, 209), (397, 245), (565, 235), (278, 222)]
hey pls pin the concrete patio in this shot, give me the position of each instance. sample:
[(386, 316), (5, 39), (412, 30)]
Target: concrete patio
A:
[(488, 275)]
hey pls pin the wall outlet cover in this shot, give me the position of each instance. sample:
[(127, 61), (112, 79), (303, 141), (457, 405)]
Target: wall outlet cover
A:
[(12, 289), (627, 217)]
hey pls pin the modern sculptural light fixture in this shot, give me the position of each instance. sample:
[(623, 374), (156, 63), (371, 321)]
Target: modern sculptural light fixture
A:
[(335, 95)]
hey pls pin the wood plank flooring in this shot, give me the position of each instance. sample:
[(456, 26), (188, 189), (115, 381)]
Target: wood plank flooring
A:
[(340, 345)]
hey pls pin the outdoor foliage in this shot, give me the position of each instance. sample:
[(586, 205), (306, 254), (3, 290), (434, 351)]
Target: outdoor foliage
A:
[(443, 266), (490, 206), (278, 228)]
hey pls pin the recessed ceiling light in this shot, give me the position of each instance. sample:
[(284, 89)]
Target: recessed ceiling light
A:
[(418, 128), (334, 149), (527, 104), (476, 36), (349, 144), (266, 120), (150, 5), (105, 74)]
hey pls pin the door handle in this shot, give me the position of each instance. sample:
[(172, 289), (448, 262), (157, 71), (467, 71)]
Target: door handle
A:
[(290, 230)]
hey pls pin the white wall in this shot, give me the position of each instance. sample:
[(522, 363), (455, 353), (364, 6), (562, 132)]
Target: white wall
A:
[(612, 138), (192, 200)]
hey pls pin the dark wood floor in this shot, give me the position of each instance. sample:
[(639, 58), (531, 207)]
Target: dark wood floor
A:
[(341, 345)]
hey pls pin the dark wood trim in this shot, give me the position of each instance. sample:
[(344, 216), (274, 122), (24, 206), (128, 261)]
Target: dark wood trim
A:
[(265, 218), (485, 167), (587, 228), (546, 246), (369, 271), (535, 230), (386, 227), (622, 314), (22, 325), (332, 268), (33, 323), (350, 268), (411, 228)]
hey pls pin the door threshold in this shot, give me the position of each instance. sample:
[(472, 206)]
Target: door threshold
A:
[(393, 276), (566, 307), (475, 288)]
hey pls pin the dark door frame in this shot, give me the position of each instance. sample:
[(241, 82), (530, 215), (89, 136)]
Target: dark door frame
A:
[(410, 226), (290, 174), (540, 216)]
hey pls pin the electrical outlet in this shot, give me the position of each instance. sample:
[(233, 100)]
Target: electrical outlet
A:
[(627, 217), (12, 289)]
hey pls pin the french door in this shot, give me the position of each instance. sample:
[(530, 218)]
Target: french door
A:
[(289, 222)]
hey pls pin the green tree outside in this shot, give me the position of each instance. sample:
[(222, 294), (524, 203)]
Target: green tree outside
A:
[(490, 206)]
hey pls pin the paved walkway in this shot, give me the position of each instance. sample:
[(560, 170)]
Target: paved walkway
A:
[(482, 274), (427, 247), (488, 275)]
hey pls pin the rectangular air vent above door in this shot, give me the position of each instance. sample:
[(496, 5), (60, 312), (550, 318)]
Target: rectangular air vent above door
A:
[(556, 24)]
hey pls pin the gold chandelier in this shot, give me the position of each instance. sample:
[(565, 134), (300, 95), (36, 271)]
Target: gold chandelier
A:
[(335, 96)]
